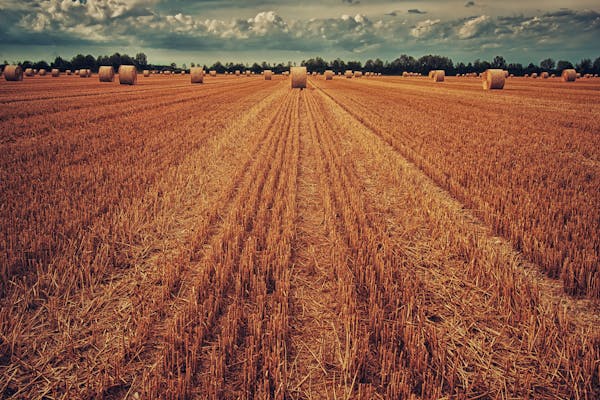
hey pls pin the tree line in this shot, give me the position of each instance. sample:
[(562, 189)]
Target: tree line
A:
[(401, 64)]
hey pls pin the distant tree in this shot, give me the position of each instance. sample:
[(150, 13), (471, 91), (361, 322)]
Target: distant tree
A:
[(585, 66), (531, 69), (41, 65), (173, 65), (431, 62), (562, 64), (596, 66), (499, 62), (24, 64), (141, 60), (192, 65), (548, 64), (256, 68), (480, 66), (218, 67), (516, 69)]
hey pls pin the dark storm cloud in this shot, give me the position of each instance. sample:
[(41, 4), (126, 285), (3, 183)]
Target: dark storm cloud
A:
[(469, 4), (416, 11)]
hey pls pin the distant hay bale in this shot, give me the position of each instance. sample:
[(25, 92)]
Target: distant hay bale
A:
[(76, 72), (42, 72), (237, 72), (534, 75), (13, 73), (106, 73), (405, 74), (212, 73), (431, 74), (84, 73), (544, 75), (348, 74), (55, 72), (569, 75), (328, 75), (358, 74), (493, 79), (553, 76), (197, 75), (29, 72), (166, 72), (578, 75), (68, 72), (146, 73), (298, 77), (35, 71), (439, 75), (127, 75), (526, 76), (248, 73), (268, 74), (182, 73)]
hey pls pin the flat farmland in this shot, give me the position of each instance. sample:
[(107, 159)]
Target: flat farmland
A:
[(372, 238)]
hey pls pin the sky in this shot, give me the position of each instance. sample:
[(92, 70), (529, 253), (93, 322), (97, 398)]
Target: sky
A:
[(204, 31)]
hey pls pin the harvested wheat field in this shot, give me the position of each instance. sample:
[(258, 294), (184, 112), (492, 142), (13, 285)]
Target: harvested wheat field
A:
[(390, 238)]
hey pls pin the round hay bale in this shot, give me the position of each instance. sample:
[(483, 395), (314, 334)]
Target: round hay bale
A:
[(42, 72), (439, 75), (237, 72), (69, 72), (248, 73), (431, 74), (127, 75), (13, 73), (298, 77), (534, 75), (83, 73), (358, 74), (493, 79), (569, 75), (328, 75), (578, 75), (35, 71), (55, 73), (268, 74), (76, 72), (348, 74), (106, 74), (146, 73), (405, 74), (197, 75), (544, 75), (506, 74), (212, 73), (29, 72)]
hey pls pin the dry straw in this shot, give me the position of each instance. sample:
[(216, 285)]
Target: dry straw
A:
[(42, 72), (268, 74), (328, 75), (127, 75), (348, 74), (106, 74), (569, 75), (212, 73), (298, 77), (13, 73), (85, 73), (237, 72), (405, 74), (146, 73), (358, 74), (68, 72), (439, 75), (197, 75), (544, 75), (248, 73), (29, 72), (431, 74), (55, 72), (534, 75), (493, 79), (77, 72)]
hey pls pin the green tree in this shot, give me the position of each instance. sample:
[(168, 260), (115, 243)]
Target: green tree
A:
[(562, 64), (548, 64)]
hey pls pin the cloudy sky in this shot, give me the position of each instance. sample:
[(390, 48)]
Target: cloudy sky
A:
[(204, 31)]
